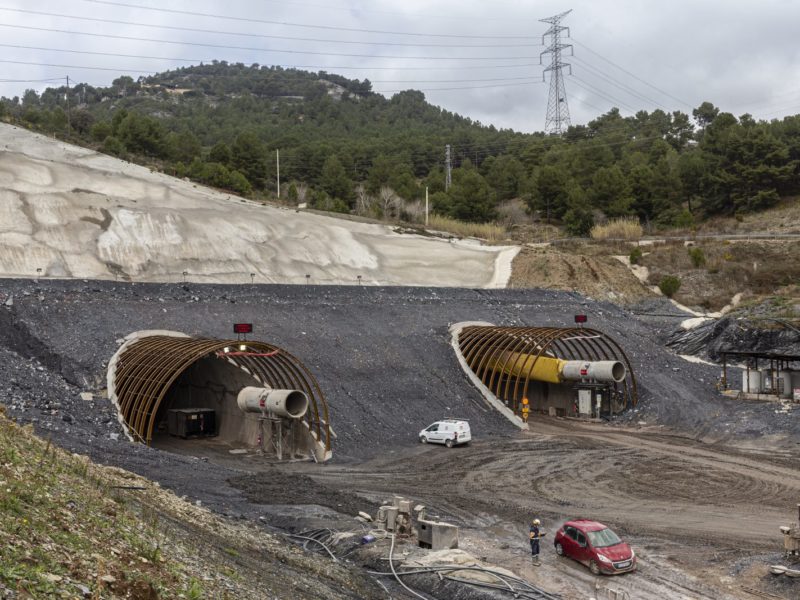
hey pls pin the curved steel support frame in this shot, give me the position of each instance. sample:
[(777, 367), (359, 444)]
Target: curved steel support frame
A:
[(483, 347), (146, 370)]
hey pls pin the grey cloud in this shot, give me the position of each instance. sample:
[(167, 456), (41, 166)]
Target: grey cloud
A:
[(739, 54)]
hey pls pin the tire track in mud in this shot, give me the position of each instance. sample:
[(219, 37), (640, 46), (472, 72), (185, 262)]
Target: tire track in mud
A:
[(670, 496)]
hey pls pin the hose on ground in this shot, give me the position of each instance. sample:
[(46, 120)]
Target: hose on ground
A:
[(311, 539), (396, 576), (518, 593), (540, 594)]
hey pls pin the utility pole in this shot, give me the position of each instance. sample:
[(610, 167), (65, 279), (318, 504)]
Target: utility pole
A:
[(448, 168), (557, 120), (426, 206), (66, 97), (278, 165)]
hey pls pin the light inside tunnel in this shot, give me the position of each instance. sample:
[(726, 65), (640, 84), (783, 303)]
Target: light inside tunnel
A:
[(159, 380)]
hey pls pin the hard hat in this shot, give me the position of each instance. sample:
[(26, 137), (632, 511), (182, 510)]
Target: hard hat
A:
[(536, 522)]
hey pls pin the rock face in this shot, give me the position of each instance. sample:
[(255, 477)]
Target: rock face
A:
[(713, 338), (67, 212)]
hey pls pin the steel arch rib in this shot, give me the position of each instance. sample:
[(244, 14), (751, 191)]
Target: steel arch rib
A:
[(483, 349), (145, 372)]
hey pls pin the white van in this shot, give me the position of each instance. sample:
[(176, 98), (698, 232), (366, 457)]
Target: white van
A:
[(448, 432)]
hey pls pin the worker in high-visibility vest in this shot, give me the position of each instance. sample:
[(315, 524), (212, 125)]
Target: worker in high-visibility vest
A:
[(535, 535), (525, 410)]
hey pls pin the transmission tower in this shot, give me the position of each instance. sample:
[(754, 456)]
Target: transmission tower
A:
[(557, 120), (448, 168)]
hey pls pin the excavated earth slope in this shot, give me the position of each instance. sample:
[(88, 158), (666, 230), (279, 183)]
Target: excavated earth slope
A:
[(66, 211), (382, 355)]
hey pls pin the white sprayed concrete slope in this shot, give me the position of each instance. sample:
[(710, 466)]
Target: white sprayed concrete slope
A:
[(72, 212)]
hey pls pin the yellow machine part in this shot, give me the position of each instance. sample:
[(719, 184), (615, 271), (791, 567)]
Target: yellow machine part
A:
[(517, 364)]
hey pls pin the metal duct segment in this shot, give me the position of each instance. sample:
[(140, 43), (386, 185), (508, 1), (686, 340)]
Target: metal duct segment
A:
[(291, 404), (607, 371), (540, 368), (556, 370)]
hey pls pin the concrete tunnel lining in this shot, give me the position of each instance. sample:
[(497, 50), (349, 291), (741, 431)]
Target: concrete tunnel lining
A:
[(149, 365)]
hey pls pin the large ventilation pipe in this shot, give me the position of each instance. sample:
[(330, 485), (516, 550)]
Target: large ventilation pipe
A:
[(291, 404), (611, 371), (556, 370)]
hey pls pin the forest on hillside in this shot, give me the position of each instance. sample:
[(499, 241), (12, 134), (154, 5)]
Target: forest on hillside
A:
[(344, 148)]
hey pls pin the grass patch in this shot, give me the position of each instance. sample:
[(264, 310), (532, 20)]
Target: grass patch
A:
[(65, 533), (627, 228), (697, 256), (487, 231)]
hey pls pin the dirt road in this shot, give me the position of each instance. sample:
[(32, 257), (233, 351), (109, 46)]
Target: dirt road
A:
[(703, 518)]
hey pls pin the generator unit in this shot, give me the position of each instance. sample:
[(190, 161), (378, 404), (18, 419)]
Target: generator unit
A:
[(791, 536), (192, 422)]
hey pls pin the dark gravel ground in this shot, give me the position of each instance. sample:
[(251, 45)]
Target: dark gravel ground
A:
[(382, 357), (713, 338)]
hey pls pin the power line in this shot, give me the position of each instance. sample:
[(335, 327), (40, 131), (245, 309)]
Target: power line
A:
[(40, 64), (260, 35), (450, 80), (618, 84), (348, 9), (139, 56), (49, 80), (499, 79), (290, 24), (263, 50), (592, 89), (471, 87), (636, 77)]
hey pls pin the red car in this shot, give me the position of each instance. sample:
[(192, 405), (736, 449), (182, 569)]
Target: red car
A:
[(596, 546)]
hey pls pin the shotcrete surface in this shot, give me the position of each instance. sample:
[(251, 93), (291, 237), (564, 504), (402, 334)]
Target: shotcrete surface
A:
[(66, 211)]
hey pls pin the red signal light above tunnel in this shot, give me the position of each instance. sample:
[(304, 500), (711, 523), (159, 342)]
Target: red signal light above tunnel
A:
[(240, 328), (581, 318)]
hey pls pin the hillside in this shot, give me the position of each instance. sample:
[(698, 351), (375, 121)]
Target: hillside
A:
[(344, 148), (74, 529)]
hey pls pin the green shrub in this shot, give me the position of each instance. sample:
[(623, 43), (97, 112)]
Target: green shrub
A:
[(635, 255), (113, 146), (684, 219), (578, 221), (669, 285), (697, 256)]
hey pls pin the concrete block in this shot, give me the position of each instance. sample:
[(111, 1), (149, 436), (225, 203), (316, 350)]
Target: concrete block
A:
[(391, 517), (436, 535)]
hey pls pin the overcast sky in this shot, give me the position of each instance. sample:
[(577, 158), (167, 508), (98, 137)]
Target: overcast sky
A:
[(742, 55)]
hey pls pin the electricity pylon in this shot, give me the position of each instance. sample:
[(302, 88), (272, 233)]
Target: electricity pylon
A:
[(557, 120)]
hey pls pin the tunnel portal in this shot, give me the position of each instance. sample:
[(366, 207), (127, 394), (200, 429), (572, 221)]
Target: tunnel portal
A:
[(561, 371), (169, 385)]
